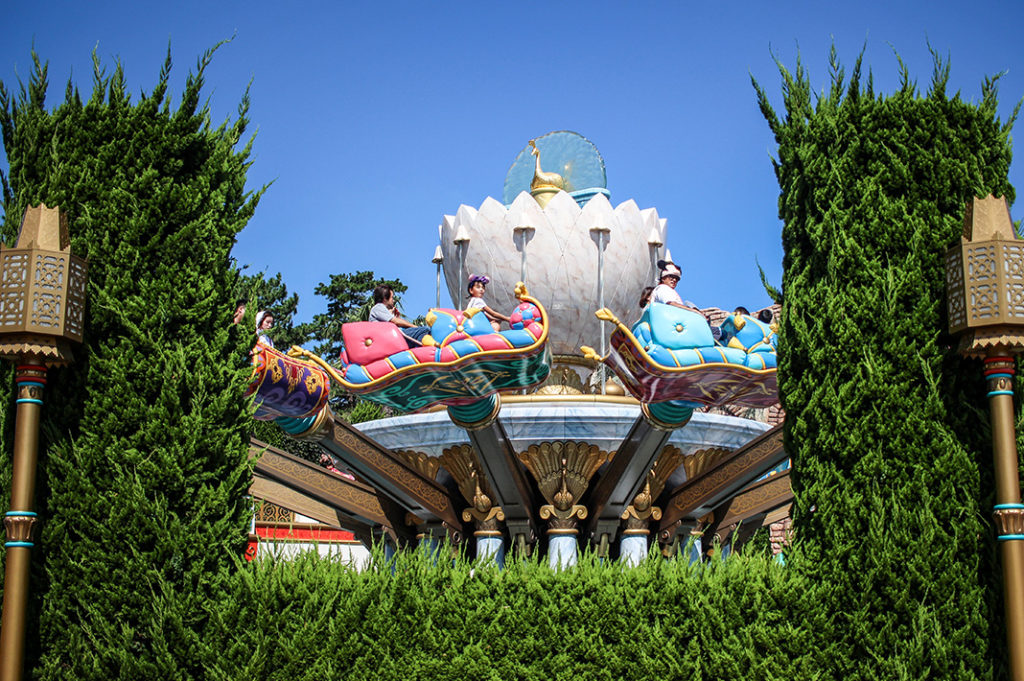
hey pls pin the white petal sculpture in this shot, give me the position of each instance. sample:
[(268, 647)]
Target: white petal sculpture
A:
[(561, 259)]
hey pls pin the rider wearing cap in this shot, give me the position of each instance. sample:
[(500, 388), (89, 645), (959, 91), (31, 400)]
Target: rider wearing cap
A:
[(665, 291)]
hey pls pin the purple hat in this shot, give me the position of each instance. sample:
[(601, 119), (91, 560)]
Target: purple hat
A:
[(473, 278)]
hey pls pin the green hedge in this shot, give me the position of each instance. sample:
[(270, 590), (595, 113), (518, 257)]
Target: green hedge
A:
[(317, 619)]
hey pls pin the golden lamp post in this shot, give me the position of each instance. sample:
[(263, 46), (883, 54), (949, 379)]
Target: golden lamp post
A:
[(42, 306), (985, 286)]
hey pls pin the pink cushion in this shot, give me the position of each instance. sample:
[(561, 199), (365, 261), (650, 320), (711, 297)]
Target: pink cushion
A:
[(380, 368), (424, 354), (366, 342), (492, 341)]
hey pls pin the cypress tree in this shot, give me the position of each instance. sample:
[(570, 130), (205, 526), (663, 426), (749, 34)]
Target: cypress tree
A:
[(886, 426), (143, 465)]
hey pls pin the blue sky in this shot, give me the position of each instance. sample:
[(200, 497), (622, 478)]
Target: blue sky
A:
[(374, 120)]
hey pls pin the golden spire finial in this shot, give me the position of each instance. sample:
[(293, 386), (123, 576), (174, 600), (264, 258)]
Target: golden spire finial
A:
[(541, 179)]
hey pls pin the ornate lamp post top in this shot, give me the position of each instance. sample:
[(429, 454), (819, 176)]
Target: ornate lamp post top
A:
[(985, 281), (42, 307), (42, 290)]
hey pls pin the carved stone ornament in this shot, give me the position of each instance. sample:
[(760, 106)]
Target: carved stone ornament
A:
[(461, 463), (563, 470), (424, 464), (702, 460)]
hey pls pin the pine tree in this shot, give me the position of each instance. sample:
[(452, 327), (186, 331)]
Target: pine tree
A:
[(885, 424), (143, 467), (260, 292), (349, 299)]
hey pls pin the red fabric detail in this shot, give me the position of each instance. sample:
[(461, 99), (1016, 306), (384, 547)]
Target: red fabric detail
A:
[(385, 339), (447, 355), (343, 356), (304, 533), (535, 330)]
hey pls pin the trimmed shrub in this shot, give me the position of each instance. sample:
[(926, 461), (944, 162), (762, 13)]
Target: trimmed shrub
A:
[(143, 468), (885, 424), (413, 619)]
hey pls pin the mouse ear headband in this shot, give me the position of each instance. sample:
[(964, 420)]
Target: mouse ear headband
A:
[(669, 269)]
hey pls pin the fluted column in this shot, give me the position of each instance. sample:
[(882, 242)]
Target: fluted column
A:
[(563, 471), (488, 520), (1009, 511), (20, 520)]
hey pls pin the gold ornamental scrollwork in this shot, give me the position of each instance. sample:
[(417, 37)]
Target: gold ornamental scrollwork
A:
[(563, 521), (638, 521), (267, 512), (719, 476), (460, 461), (276, 371), (421, 462), (664, 466), (639, 513), (702, 460), (486, 523), (393, 469), (563, 469)]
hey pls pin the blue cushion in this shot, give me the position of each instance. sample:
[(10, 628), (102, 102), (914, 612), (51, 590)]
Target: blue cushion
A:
[(676, 328)]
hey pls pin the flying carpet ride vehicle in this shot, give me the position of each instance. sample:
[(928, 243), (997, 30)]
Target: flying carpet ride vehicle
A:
[(462, 361), (670, 354)]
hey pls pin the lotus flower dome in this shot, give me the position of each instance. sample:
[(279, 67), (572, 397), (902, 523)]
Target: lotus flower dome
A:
[(560, 241)]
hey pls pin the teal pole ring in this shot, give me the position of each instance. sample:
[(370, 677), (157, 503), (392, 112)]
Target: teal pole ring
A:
[(994, 392), (28, 400), (19, 544), (999, 507), (31, 514), (1011, 537)]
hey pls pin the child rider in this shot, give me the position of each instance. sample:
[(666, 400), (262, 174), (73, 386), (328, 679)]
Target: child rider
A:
[(477, 286)]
